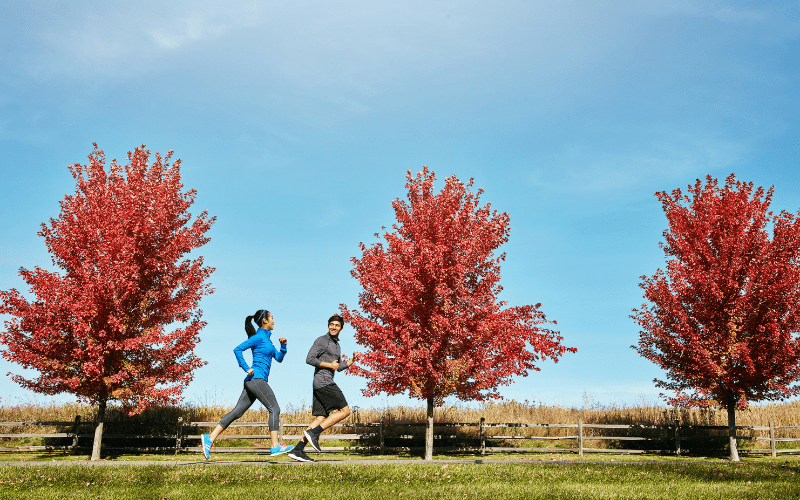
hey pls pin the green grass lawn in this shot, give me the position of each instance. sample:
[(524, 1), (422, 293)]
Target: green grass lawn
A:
[(540, 477)]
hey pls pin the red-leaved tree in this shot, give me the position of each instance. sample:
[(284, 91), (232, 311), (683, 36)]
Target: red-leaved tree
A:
[(431, 319), (724, 317), (97, 329)]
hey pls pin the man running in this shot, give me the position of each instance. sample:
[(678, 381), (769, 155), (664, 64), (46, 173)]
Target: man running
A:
[(329, 405)]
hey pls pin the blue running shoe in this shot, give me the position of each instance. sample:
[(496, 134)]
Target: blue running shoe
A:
[(280, 449), (207, 444)]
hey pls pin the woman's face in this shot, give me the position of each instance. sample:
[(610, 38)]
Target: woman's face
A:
[(269, 323)]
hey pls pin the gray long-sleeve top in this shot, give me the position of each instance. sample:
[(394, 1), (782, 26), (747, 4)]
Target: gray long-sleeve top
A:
[(325, 349)]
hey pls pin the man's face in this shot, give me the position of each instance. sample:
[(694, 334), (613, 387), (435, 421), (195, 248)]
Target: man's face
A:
[(334, 327)]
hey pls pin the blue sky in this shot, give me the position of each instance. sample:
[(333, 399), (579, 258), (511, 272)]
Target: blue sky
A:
[(296, 122)]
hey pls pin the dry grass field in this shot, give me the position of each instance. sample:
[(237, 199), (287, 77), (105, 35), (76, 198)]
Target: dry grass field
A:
[(785, 414), (606, 475), (163, 421)]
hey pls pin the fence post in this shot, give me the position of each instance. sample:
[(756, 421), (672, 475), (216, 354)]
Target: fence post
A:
[(483, 436), (75, 433), (677, 438), (280, 430), (772, 438), (580, 437), (380, 436), (179, 436)]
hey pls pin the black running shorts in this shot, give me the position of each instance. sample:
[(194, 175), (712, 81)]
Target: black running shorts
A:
[(327, 399)]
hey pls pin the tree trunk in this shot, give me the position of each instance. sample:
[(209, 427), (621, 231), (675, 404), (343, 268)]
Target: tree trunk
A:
[(98, 431), (429, 432), (732, 430)]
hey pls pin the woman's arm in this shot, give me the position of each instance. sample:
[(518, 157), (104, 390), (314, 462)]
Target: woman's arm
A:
[(279, 355), (247, 344)]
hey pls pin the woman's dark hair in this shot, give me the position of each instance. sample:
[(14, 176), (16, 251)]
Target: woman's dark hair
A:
[(336, 317), (258, 316)]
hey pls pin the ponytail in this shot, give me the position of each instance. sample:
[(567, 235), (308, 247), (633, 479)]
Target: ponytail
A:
[(248, 327), (258, 316)]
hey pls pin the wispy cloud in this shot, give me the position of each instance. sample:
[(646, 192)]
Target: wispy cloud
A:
[(194, 26), (581, 168), (729, 14), (333, 216), (112, 40)]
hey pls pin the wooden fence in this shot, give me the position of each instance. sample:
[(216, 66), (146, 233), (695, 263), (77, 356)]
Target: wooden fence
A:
[(373, 436)]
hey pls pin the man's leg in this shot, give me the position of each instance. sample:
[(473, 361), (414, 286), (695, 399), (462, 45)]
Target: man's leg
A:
[(298, 452), (311, 435), (335, 417), (319, 413), (336, 408), (317, 421), (317, 427)]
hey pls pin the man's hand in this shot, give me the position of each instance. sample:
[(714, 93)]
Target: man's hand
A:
[(282, 340), (355, 357)]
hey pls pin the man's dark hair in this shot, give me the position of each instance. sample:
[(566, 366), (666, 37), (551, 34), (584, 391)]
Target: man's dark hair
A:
[(336, 317)]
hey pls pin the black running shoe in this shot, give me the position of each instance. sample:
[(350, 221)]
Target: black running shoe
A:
[(300, 456), (313, 439)]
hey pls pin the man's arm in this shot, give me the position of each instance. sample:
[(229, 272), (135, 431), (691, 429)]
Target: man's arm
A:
[(316, 351), (350, 361)]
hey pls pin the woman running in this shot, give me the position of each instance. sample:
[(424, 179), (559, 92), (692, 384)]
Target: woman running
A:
[(255, 384)]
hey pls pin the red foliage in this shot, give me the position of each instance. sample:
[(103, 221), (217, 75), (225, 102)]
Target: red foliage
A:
[(97, 330), (725, 315), (431, 318)]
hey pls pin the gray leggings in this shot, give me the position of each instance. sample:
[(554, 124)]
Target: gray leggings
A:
[(256, 388)]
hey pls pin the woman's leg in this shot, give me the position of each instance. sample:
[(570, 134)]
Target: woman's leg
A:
[(246, 400), (216, 432), (261, 389)]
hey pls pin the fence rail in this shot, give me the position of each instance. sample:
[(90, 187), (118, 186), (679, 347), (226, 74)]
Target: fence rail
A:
[(373, 436)]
